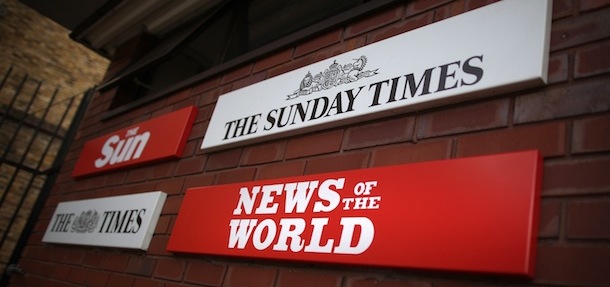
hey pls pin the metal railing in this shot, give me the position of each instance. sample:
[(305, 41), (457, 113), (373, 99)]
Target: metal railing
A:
[(36, 128)]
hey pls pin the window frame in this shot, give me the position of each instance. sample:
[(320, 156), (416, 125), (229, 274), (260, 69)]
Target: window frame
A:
[(262, 51)]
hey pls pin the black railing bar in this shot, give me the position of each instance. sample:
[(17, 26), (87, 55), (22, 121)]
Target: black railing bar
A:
[(32, 177), (10, 145), (16, 165), (28, 123), (63, 118), (22, 198), (14, 99), (48, 184), (21, 120), (6, 75), (57, 103)]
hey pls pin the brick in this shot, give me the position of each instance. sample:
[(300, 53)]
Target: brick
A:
[(163, 224), (235, 176), (172, 204), (382, 282), (449, 10), (224, 159), (142, 266), (279, 170), (474, 4), (170, 269), (250, 80), (29, 281), (177, 285), (116, 178), (586, 5), (204, 114), (272, 60), (115, 262), (339, 48), (54, 255), (157, 245), (586, 28), (177, 97), (95, 182), (576, 177), (141, 282), (416, 7), (116, 279), (564, 101), (205, 273), (589, 219), (198, 180), (548, 138), (573, 265), (133, 188), (75, 257), (96, 278), (290, 66), (190, 165), (186, 103), (411, 153), (236, 74), (550, 219), (337, 163), (207, 85), (163, 170), (61, 272), (162, 111), (374, 21), (324, 40), (197, 132), (562, 8), (138, 174), (43, 48), (93, 260), (192, 146), (558, 68), (301, 278), (45, 269), (264, 153), (251, 276), (469, 118), (207, 99), (77, 275), (170, 185), (401, 27), (314, 144), (379, 133), (591, 134), (33, 266), (592, 60)]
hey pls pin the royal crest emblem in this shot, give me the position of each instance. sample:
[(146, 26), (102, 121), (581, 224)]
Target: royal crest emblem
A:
[(85, 222), (335, 75)]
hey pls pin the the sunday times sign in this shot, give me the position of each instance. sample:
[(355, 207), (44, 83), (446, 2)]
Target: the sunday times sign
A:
[(475, 214), (499, 48), (126, 221)]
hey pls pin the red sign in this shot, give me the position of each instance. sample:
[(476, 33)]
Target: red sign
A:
[(159, 138), (475, 214)]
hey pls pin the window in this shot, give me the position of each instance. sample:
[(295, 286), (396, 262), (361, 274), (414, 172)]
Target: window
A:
[(233, 29)]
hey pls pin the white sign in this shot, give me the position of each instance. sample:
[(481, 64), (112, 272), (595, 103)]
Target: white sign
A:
[(126, 221), (496, 49)]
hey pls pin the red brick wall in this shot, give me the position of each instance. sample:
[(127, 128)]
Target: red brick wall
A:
[(568, 121)]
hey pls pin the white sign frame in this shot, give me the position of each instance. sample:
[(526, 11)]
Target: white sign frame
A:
[(95, 222), (499, 48)]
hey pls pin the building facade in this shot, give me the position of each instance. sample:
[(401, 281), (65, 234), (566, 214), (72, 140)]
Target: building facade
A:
[(566, 120), (39, 69)]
